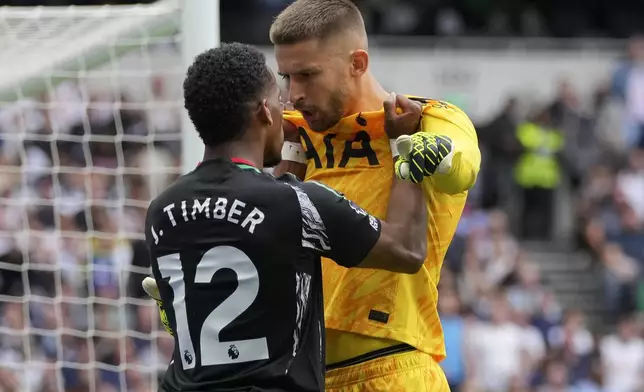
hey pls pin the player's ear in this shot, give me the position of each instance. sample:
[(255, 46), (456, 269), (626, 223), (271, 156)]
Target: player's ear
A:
[(264, 112), (359, 62)]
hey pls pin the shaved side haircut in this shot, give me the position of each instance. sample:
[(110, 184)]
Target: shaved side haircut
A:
[(306, 20)]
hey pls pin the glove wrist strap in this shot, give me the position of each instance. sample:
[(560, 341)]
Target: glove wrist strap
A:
[(394, 149), (293, 152)]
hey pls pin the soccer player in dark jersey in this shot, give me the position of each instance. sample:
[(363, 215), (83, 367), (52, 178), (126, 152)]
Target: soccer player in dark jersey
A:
[(236, 252)]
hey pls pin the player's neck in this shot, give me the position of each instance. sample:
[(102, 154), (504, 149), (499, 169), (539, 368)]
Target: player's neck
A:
[(236, 150), (370, 96)]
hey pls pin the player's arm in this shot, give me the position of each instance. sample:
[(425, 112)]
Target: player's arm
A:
[(463, 168), (357, 239), (404, 231), (293, 155), (351, 237)]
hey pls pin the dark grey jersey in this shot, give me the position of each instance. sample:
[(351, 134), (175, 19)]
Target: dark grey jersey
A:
[(236, 253)]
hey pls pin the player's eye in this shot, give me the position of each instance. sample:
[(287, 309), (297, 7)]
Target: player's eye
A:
[(285, 77)]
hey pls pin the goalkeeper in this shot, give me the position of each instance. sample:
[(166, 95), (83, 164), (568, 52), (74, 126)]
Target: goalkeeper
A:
[(383, 329)]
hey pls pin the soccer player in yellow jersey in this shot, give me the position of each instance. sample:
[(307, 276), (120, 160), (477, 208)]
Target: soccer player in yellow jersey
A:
[(383, 330)]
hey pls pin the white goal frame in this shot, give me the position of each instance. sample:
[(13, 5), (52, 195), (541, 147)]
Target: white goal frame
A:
[(48, 47), (22, 78), (200, 31)]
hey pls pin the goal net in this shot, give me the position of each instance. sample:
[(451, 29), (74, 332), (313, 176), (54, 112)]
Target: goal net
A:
[(90, 130)]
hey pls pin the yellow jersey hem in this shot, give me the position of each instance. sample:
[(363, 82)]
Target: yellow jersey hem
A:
[(399, 335)]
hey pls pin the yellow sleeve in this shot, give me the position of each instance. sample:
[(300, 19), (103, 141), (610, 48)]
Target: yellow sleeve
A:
[(452, 122)]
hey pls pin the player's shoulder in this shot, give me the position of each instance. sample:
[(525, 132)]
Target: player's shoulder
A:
[(317, 187), (179, 189), (303, 189), (229, 181), (311, 192), (438, 108), (321, 193), (264, 188), (445, 111)]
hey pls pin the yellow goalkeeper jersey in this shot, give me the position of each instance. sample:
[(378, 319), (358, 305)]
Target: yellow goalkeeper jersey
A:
[(369, 309)]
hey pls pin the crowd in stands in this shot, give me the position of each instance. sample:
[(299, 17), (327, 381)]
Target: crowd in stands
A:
[(76, 176), (505, 331)]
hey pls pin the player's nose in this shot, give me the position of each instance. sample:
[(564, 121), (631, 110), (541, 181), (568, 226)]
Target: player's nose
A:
[(295, 93)]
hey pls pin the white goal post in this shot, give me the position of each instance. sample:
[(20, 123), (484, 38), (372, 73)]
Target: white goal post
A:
[(200, 31), (47, 45), (92, 126)]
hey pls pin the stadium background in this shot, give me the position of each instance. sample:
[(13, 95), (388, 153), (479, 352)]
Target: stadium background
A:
[(85, 147)]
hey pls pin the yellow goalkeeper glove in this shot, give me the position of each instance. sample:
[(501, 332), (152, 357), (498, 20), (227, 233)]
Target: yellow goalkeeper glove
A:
[(423, 154), (151, 288)]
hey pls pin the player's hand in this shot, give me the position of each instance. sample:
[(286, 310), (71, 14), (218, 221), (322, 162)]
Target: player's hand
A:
[(402, 115), (423, 154), (151, 288)]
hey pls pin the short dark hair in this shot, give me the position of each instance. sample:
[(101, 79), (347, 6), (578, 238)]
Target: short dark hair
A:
[(218, 87), (314, 19)]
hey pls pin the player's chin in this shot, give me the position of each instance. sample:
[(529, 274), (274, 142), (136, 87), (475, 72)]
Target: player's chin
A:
[(319, 125), (323, 123)]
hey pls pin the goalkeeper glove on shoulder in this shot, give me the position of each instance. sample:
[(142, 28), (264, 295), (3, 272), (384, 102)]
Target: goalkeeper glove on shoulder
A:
[(422, 155)]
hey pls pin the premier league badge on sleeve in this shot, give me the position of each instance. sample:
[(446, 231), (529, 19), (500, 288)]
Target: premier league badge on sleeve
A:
[(357, 209)]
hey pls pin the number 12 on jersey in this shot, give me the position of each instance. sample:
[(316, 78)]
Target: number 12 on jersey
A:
[(213, 351)]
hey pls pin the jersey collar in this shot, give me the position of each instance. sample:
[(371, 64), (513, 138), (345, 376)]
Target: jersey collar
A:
[(239, 162), (244, 164)]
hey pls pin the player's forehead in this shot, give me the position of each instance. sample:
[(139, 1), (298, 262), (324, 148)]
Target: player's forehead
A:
[(300, 56)]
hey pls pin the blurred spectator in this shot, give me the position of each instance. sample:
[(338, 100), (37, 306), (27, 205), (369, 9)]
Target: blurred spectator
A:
[(449, 22), (594, 382), (501, 149), (622, 272), (596, 197), (496, 250), (454, 328), (575, 344), (497, 349), (582, 147), (532, 341), (628, 85), (531, 299), (608, 113), (538, 173), (630, 183), (557, 379), (163, 117), (623, 357)]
